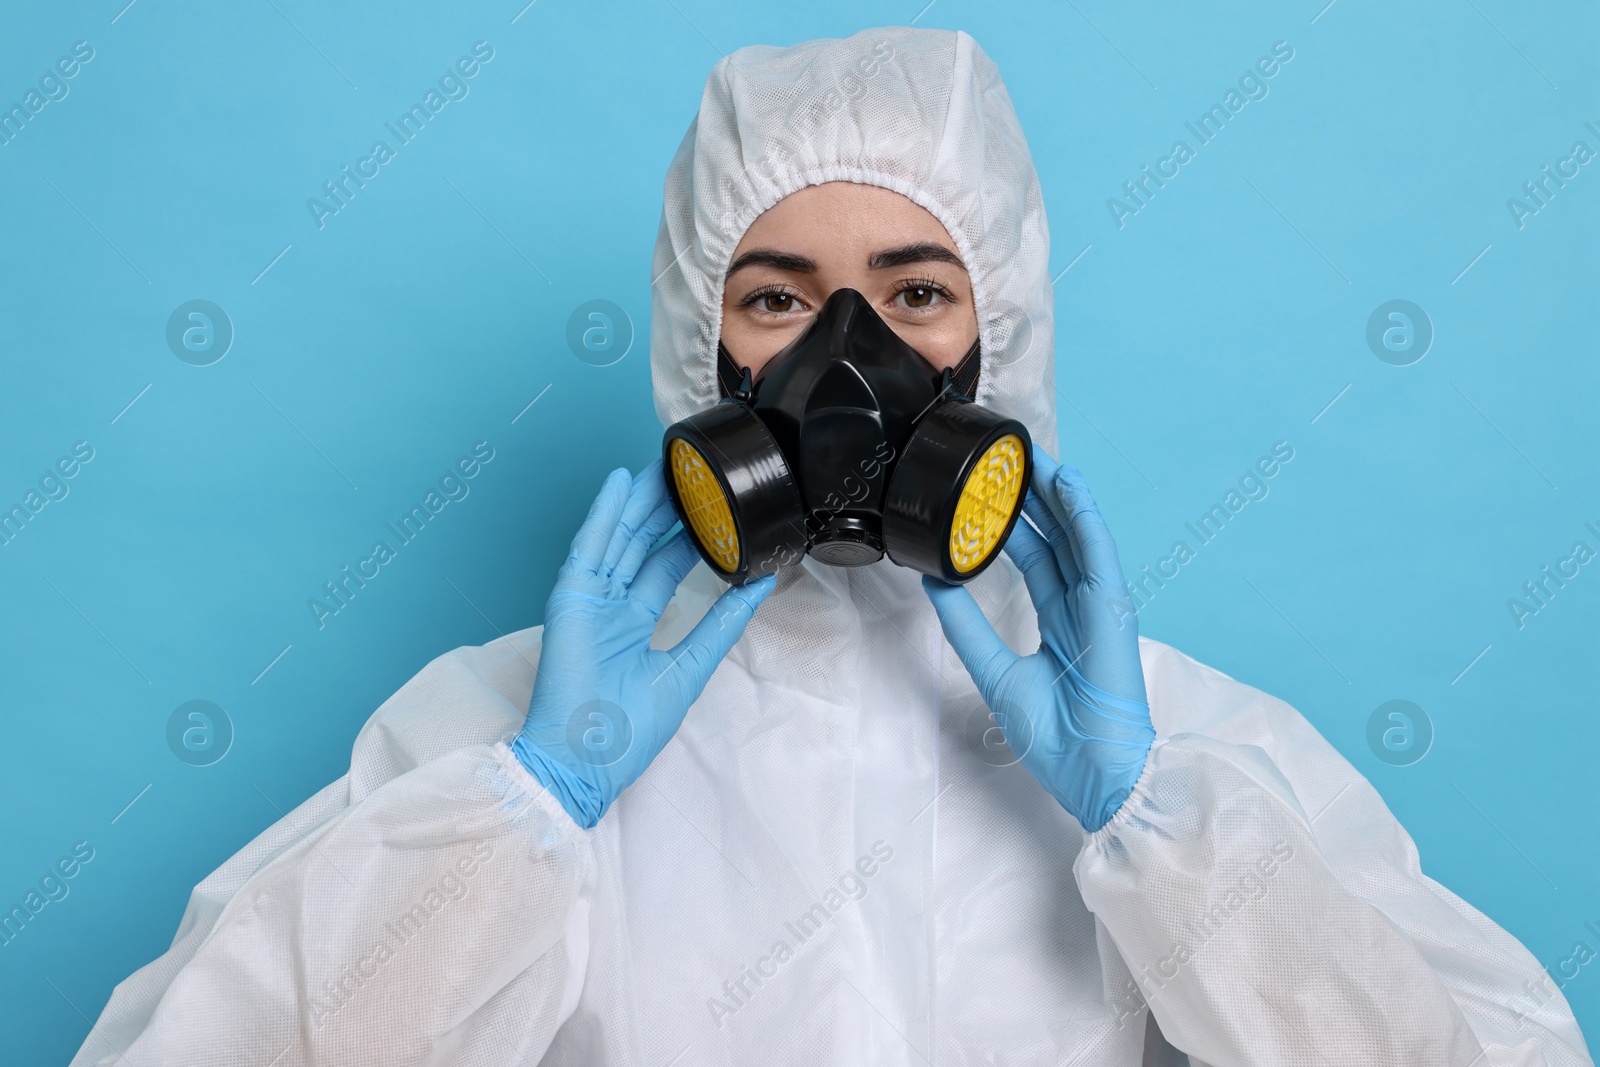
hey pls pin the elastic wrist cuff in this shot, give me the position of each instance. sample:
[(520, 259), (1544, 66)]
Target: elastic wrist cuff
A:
[(582, 800)]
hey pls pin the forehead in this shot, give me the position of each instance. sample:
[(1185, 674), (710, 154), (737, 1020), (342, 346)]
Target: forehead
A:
[(846, 218)]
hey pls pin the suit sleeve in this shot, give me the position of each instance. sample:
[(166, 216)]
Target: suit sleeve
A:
[(1272, 911), (433, 900)]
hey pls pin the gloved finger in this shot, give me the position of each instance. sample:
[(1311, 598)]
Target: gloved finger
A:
[(655, 524), (695, 658), (1087, 532), (982, 652), (1046, 472), (663, 572), (644, 494), (1034, 507), (589, 546), (1037, 561)]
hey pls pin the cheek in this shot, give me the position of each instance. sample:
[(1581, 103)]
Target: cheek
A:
[(947, 356), (752, 344), (943, 345), (736, 337)]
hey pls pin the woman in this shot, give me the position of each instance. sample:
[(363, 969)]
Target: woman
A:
[(542, 854)]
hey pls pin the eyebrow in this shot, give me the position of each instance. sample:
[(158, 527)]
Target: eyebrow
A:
[(766, 257), (922, 252)]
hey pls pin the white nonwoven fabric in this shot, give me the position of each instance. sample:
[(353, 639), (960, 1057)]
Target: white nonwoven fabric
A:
[(832, 862), (922, 112)]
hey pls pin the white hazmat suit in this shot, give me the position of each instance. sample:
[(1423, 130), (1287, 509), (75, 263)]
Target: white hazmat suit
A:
[(832, 863)]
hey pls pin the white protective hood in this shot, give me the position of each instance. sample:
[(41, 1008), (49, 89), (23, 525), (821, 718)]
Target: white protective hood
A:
[(921, 112), (833, 862)]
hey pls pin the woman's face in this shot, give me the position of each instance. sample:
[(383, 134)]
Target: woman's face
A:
[(842, 235)]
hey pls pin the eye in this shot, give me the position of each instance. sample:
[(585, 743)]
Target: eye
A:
[(921, 294), (774, 300)]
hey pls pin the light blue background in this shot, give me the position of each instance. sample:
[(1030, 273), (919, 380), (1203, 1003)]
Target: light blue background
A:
[(1223, 317)]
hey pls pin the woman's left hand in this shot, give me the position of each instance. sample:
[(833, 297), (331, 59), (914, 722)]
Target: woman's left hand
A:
[(1074, 712)]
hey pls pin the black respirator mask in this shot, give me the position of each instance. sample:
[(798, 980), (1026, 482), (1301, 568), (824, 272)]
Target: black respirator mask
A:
[(848, 445)]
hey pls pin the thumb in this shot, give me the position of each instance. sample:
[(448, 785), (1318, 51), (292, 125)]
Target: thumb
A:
[(697, 655), (982, 652)]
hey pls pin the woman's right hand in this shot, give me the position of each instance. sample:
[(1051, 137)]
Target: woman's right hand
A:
[(604, 702)]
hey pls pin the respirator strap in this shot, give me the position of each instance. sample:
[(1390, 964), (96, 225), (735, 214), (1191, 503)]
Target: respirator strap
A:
[(964, 376), (729, 374)]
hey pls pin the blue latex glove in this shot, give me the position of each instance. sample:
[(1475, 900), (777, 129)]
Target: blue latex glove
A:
[(604, 702), (1075, 711)]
